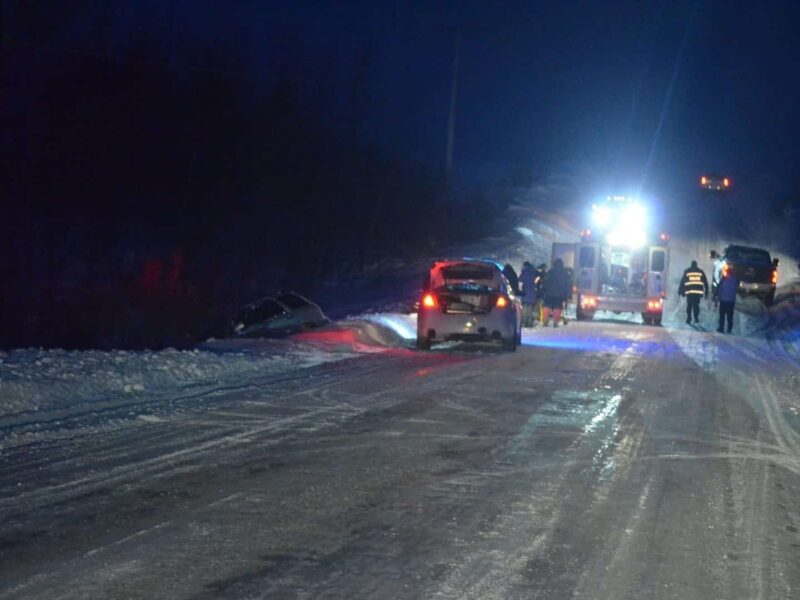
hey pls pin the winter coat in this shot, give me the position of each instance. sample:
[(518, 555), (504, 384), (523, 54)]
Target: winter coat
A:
[(726, 288), (556, 284), (513, 280), (693, 283), (527, 281)]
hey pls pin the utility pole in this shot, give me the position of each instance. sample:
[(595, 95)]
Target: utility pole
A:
[(451, 123)]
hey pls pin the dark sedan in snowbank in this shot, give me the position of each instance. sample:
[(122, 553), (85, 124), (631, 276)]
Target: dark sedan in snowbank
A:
[(283, 314)]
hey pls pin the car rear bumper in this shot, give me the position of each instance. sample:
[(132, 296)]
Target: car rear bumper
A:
[(438, 326)]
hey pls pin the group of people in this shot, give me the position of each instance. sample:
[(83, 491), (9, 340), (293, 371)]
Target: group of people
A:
[(694, 286), (544, 292)]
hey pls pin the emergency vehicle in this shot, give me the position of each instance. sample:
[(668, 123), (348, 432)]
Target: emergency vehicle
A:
[(618, 266)]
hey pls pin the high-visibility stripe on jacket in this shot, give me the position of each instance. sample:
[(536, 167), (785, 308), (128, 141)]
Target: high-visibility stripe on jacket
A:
[(694, 282)]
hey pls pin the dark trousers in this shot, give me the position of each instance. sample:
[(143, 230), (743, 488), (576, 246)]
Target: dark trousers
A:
[(693, 306), (726, 310)]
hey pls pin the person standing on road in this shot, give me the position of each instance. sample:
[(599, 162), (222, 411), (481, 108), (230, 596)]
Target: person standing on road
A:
[(726, 294), (530, 295), (513, 280), (556, 288), (541, 271), (694, 286)]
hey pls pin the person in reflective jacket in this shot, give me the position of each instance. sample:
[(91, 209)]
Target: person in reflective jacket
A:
[(694, 286), (726, 294)]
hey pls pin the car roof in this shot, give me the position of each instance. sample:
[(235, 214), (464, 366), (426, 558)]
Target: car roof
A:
[(740, 247)]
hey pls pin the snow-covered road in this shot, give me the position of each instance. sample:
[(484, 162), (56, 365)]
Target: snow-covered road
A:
[(602, 460)]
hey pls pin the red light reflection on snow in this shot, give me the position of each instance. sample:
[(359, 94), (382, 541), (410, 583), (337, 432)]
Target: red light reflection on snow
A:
[(332, 336)]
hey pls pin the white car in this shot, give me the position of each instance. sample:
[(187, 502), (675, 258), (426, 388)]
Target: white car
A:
[(279, 315), (468, 300)]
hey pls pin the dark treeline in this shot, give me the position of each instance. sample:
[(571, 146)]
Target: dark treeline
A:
[(143, 203)]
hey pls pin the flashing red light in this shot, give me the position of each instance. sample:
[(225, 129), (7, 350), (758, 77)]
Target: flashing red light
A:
[(775, 277), (501, 302), (429, 301), (726, 182)]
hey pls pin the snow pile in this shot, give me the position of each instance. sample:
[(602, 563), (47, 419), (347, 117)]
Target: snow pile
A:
[(61, 382)]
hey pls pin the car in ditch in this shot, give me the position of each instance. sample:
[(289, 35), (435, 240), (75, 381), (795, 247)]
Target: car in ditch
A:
[(468, 300), (756, 271), (283, 314)]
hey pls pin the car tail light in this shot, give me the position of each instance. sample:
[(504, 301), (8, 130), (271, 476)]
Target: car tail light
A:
[(588, 302), (501, 302), (725, 270), (429, 301), (775, 277)]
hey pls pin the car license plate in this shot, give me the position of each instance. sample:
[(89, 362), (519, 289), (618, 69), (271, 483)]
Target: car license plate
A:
[(474, 300)]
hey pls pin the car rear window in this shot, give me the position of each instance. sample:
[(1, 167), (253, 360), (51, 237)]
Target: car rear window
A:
[(258, 313), (292, 300), (750, 255), (467, 271)]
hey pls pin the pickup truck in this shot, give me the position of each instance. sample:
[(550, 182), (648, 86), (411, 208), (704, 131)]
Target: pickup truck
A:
[(756, 271)]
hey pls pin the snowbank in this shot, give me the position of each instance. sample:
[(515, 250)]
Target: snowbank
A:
[(59, 383)]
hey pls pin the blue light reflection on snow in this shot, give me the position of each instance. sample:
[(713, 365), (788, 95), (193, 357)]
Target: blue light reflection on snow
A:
[(593, 344)]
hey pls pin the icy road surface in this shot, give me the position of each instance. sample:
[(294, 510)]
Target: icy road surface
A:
[(602, 460)]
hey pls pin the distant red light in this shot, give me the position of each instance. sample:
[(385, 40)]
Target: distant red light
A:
[(703, 180), (726, 182)]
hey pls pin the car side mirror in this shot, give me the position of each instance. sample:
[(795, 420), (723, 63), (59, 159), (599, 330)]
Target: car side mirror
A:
[(775, 262), (714, 254)]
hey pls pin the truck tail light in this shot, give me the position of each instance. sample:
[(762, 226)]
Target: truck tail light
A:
[(775, 277), (655, 304)]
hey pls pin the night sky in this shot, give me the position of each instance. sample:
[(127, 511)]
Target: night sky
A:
[(603, 87)]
